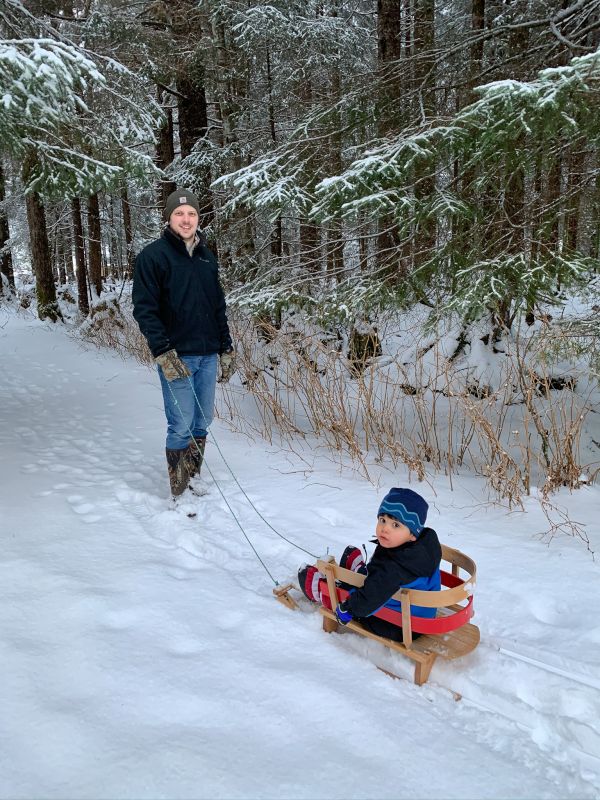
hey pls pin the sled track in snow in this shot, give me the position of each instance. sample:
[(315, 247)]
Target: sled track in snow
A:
[(520, 653), (583, 739), (579, 738)]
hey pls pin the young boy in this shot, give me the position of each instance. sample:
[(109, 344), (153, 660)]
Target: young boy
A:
[(407, 555)]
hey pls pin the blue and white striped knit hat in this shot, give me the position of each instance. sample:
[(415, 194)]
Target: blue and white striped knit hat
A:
[(407, 507)]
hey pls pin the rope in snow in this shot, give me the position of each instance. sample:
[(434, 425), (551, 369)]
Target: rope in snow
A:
[(255, 509), (231, 511)]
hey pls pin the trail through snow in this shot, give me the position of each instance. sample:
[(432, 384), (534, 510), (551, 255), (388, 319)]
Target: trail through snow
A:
[(143, 654)]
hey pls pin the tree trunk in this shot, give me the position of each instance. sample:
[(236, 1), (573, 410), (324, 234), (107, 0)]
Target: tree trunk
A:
[(388, 31), (277, 239), (165, 153), (389, 51), (424, 58), (575, 186), (189, 25), (128, 233), (277, 232), (67, 237), (192, 113), (424, 82), (513, 231), (335, 232), (476, 48), (335, 251), (113, 260), (59, 249), (310, 247), (62, 244), (40, 248), (240, 246), (6, 264), (465, 175), (363, 248), (95, 244), (82, 284)]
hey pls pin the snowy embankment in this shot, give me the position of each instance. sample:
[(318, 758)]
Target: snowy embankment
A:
[(143, 654)]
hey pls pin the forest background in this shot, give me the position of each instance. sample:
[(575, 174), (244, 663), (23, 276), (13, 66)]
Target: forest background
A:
[(404, 197)]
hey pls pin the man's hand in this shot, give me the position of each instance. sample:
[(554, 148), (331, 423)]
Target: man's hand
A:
[(342, 614), (227, 361), (172, 366)]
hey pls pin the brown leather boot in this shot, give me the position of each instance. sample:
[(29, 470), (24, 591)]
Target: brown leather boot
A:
[(177, 464), (195, 455)]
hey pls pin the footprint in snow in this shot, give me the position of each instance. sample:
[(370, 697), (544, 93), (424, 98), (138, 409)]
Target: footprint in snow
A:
[(331, 515), (83, 509), (183, 646), (24, 431), (132, 476), (229, 620), (121, 619), (135, 457), (142, 505)]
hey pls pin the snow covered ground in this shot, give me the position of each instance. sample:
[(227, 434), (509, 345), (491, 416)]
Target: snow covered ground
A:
[(144, 656)]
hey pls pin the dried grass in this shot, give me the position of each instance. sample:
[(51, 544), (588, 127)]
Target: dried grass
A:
[(520, 434)]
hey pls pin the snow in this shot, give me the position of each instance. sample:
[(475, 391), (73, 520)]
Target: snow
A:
[(144, 656)]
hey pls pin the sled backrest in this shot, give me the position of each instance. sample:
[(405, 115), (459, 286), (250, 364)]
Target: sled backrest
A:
[(454, 604)]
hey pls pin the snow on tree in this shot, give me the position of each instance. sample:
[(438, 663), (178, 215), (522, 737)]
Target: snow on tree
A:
[(49, 91)]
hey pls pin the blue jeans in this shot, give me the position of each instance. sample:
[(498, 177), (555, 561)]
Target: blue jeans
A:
[(184, 415)]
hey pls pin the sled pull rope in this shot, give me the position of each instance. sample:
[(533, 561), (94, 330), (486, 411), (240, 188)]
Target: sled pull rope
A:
[(231, 511), (267, 523)]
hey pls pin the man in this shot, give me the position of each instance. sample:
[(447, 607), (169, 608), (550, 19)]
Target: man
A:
[(179, 305)]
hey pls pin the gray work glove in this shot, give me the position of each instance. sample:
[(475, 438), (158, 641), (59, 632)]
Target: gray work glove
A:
[(172, 366), (227, 361)]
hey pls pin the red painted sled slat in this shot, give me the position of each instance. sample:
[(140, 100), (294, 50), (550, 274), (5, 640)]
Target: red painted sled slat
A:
[(436, 626)]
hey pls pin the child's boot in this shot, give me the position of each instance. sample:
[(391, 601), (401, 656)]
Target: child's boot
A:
[(309, 579), (352, 559)]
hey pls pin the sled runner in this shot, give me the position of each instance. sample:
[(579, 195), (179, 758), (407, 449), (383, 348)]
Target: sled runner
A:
[(449, 635)]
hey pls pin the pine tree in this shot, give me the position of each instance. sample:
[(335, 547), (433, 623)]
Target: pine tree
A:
[(59, 113)]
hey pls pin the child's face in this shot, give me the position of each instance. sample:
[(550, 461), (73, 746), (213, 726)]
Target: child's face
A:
[(392, 533)]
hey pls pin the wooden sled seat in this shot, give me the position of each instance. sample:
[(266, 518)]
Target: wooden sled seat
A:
[(449, 635)]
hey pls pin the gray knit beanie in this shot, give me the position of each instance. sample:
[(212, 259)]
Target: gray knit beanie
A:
[(180, 197)]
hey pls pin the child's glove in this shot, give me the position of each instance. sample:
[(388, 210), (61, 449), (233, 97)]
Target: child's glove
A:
[(172, 366), (342, 614)]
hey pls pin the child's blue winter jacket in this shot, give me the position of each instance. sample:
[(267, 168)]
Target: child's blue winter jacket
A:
[(414, 565)]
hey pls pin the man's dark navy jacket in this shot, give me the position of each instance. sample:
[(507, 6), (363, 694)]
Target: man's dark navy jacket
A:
[(178, 301)]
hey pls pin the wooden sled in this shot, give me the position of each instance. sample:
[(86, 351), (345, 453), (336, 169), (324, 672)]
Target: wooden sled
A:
[(449, 635)]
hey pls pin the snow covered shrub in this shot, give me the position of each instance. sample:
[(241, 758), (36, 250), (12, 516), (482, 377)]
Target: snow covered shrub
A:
[(503, 409), (7, 293), (111, 324), (26, 295), (450, 399), (66, 297)]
